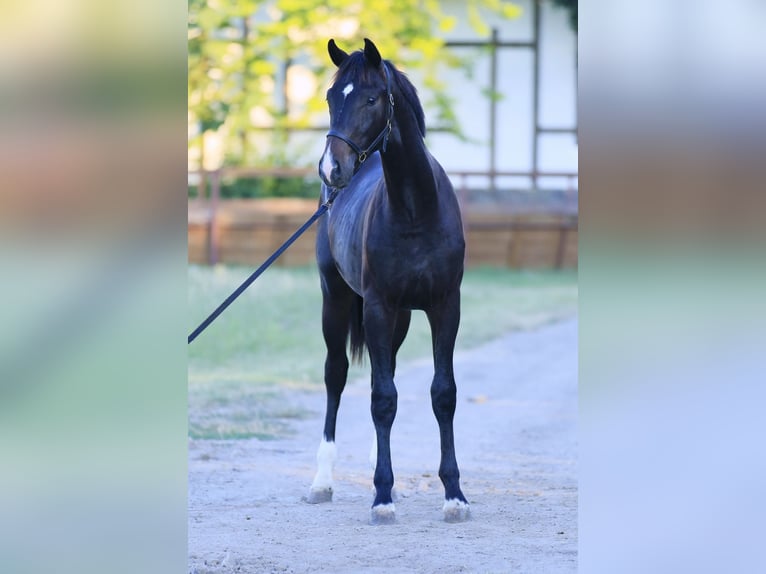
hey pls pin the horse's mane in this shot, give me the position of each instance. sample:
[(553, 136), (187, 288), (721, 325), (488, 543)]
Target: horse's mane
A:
[(355, 68)]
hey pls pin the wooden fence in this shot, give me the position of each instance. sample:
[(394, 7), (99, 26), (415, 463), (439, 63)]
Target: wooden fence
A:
[(247, 231)]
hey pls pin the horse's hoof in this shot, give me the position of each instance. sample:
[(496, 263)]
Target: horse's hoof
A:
[(383, 514), (319, 495), (456, 510)]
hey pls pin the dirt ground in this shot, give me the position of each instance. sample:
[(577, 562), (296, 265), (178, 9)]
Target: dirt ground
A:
[(516, 441)]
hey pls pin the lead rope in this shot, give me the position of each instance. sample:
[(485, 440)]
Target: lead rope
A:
[(239, 290)]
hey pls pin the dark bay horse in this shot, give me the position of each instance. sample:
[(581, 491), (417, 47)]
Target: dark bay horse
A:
[(391, 242)]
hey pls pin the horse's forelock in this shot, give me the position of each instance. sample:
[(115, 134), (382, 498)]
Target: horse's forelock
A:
[(353, 69)]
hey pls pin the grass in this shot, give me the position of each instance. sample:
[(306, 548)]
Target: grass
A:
[(270, 339)]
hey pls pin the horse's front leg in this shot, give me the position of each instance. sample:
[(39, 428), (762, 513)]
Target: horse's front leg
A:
[(335, 325), (444, 320), (379, 323)]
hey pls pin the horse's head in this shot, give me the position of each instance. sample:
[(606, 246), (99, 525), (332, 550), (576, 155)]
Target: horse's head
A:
[(361, 109)]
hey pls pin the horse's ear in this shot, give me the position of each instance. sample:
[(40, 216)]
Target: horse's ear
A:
[(371, 53), (337, 55)]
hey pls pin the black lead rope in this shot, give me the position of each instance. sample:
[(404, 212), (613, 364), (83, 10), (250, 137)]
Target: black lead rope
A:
[(230, 299)]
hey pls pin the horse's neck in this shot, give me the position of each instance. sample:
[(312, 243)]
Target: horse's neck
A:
[(410, 181)]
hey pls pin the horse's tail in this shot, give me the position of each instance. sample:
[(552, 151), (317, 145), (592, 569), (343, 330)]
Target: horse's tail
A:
[(356, 330)]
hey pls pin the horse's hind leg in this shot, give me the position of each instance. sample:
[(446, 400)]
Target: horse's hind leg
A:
[(444, 321), (379, 324), (336, 310)]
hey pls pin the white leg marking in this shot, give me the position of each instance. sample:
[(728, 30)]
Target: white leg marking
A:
[(326, 164), (348, 89), (321, 488), (383, 514), (456, 510), (327, 454)]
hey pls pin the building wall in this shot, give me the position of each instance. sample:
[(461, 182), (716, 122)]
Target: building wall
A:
[(557, 103), (514, 119)]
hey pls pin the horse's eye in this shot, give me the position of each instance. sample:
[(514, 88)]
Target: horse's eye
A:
[(371, 101)]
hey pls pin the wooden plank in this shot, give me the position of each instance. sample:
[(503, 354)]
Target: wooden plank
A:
[(251, 230)]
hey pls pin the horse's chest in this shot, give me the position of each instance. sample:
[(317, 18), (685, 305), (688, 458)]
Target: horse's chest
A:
[(413, 269)]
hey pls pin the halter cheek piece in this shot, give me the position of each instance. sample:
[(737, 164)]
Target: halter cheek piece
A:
[(383, 136)]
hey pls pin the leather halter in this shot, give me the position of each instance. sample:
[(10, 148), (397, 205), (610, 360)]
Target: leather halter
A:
[(363, 154)]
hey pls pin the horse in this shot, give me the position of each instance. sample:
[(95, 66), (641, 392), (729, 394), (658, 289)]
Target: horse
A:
[(391, 242)]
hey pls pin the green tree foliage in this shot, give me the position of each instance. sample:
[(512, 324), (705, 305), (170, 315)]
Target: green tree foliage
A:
[(570, 5), (238, 50)]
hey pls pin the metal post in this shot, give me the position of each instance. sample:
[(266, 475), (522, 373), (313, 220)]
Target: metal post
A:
[(243, 134), (536, 88), (212, 229), (561, 247), (493, 112), (285, 93), (202, 187)]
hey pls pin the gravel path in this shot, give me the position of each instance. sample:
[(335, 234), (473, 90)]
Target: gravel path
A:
[(516, 441)]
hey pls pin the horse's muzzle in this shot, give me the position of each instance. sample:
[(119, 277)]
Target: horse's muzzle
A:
[(332, 172), (332, 178)]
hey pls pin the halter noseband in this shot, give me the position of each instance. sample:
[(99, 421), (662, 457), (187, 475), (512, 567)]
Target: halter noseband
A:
[(383, 136)]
